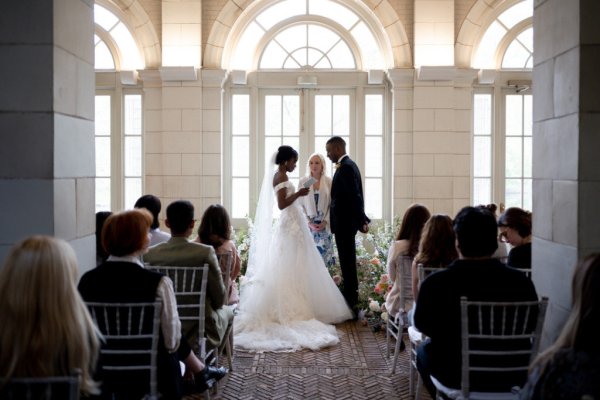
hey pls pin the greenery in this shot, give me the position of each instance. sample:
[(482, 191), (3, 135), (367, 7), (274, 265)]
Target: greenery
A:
[(371, 258)]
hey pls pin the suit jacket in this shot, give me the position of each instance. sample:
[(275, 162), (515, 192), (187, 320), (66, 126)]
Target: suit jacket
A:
[(179, 251), (347, 209)]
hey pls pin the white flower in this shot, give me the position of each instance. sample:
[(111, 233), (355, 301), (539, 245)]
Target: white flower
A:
[(374, 306), (384, 316), (243, 280)]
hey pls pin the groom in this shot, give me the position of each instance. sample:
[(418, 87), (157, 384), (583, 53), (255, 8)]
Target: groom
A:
[(347, 215)]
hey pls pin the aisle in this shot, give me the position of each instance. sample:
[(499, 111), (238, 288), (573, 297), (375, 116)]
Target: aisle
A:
[(354, 369)]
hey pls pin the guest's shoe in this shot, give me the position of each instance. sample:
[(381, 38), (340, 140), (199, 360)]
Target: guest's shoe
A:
[(206, 378)]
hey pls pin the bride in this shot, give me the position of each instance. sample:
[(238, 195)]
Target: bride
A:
[(289, 298)]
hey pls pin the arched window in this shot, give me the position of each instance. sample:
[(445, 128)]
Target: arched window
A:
[(118, 114), (502, 113), (306, 65)]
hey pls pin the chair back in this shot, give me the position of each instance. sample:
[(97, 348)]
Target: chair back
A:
[(225, 262), (129, 354), (404, 277), (499, 338), (189, 285), (424, 272), (48, 388)]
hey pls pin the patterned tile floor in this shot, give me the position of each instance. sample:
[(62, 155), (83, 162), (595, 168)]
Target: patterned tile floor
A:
[(357, 368)]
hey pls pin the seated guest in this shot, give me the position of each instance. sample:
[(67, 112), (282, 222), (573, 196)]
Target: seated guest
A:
[(182, 252), (406, 244), (152, 204), (101, 254), (46, 329), (215, 231), (436, 247), (569, 369), (476, 276), (123, 279), (515, 229)]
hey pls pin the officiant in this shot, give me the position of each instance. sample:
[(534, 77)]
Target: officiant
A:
[(316, 206)]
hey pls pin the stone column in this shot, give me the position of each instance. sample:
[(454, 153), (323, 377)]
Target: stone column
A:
[(566, 143), (47, 123)]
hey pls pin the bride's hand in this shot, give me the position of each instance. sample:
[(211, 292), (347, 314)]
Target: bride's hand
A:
[(302, 192)]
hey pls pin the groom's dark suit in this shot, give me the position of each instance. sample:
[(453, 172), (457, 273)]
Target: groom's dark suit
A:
[(347, 216)]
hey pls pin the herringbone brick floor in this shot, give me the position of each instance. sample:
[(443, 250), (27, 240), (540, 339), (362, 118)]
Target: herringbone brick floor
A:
[(356, 368)]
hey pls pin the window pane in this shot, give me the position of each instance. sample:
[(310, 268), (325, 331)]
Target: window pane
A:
[(321, 38), (103, 57), (341, 115), (240, 160), (273, 56), (131, 58), (320, 143), (240, 124), (373, 157), (271, 146), (527, 115), (325, 63), (374, 114), (240, 193), (133, 114), (341, 56), (513, 193), (244, 51), (294, 38), (133, 191), (482, 156), (103, 156), (332, 10), (517, 13), (299, 57), (514, 115), (102, 118), (486, 49), (280, 11), (482, 193), (272, 115), (314, 57), (527, 191), (482, 114), (373, 198), (527, 154), (291, 115), (516, 56), (104, 18), (323, 115), (103, 194), (133, 156), (514, 157), (371, 56)]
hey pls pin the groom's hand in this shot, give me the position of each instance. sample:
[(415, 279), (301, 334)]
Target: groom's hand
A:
[(365, 228)]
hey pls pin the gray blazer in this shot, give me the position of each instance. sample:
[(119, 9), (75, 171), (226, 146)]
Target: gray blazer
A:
[(179, 251)]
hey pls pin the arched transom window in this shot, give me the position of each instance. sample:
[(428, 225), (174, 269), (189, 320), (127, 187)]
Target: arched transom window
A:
[(306, 34), (508, 40)]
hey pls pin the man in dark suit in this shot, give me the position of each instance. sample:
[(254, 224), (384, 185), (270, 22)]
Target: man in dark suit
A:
[(347, 215)]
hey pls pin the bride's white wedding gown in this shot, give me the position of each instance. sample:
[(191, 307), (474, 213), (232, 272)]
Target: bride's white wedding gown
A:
[(291, 300)]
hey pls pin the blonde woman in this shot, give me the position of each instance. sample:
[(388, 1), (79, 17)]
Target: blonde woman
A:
[(46, 329), (316, 206)]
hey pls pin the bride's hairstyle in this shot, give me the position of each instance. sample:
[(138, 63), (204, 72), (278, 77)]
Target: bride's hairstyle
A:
[(285, 153)]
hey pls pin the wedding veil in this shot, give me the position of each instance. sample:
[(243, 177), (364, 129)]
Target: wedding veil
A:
[(260, 235)]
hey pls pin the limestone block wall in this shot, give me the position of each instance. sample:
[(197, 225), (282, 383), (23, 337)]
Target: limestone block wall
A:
[(432, 142), (46, 124), (183, 140)]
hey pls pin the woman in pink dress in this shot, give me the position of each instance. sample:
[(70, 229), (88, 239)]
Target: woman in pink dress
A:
[(215, 231)]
